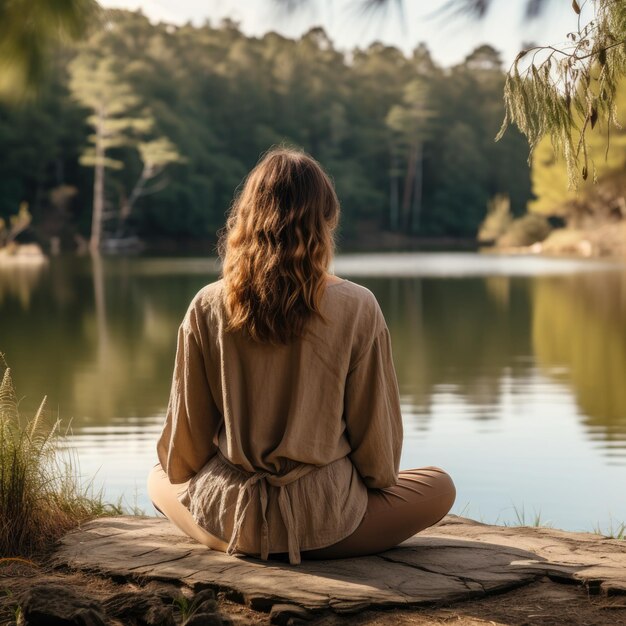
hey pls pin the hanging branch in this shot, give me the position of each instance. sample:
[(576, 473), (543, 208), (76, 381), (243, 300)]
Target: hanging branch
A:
[(565, 91)]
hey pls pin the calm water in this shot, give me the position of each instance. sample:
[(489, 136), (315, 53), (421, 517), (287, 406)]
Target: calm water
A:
[(512, 371)]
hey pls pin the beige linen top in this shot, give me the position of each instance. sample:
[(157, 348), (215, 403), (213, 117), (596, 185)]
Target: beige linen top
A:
[(280, 443)]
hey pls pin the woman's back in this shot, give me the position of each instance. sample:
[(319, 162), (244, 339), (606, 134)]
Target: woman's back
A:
[(318, 401), (284, 403)]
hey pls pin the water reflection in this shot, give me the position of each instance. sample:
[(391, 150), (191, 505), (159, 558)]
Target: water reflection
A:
[(17, 282), (457, 335), (515, 375), (579, 338), (98, 340)]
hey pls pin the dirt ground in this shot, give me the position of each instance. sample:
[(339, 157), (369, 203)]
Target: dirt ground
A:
[(543, 603)]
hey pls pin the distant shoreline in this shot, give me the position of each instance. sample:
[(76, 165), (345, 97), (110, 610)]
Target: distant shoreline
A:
[(603, 242)]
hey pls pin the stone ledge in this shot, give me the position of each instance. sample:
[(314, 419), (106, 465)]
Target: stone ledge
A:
[(456, 560)]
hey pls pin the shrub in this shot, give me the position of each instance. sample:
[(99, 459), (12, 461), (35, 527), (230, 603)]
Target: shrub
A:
[(497, 220), (525, 231), (41, 492)]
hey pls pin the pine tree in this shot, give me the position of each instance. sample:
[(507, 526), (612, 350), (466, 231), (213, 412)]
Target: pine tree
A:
[(96, 85), (118, 120), (409, 123)]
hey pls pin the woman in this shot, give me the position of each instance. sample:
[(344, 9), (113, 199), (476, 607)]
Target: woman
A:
[(283, 430)]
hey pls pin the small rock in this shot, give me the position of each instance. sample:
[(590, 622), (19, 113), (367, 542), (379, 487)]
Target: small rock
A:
[(142, 609), (203, 619), (168, 592), (50, 604), (286, 614), (204, 601)]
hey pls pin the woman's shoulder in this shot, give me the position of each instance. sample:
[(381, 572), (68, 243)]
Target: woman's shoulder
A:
[(352, 292), (356, 302), (207, 300), (209, 292)]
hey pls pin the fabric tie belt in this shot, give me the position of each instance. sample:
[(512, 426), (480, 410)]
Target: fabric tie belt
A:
[(262, 479)]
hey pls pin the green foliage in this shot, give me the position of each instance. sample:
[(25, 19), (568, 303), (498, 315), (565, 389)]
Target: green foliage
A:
[(29, 31), (564, 92), (408, 143), (593, 201), (410, 123), (183, 605), (525, 231), (188, 608), (460, 204), (41, 493)]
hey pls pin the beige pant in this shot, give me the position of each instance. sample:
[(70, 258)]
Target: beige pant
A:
[(420, 499)]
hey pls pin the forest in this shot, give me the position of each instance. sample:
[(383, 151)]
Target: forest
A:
[(177, 115)]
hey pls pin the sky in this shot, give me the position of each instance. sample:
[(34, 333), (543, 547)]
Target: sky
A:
[(449, 40)]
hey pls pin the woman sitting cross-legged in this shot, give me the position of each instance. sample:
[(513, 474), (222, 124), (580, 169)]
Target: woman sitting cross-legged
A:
[(283, 430)]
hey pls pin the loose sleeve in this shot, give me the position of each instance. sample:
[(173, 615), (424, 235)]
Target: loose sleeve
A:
[(372, 414), (188, 439)]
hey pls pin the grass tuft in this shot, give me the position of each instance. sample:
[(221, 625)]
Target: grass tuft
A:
[(535, 521), (615, 530), (42, 495)]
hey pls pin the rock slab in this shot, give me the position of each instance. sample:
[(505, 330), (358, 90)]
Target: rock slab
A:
[(54, 605), (457, 559)]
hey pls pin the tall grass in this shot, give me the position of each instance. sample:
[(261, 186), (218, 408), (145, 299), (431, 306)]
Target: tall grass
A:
[(42, 495), (614, 530)]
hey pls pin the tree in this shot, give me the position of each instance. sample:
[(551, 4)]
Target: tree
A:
[(409, 123), (377, 77), (221, 99), (156, 155), (95, 84), (459, 204), (557, 91), (119, 120)]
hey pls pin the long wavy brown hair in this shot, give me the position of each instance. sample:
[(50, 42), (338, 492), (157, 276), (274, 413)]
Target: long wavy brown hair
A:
[(277, 245)]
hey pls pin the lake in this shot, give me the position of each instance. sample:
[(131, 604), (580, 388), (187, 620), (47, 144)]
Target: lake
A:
[(512, 370)]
